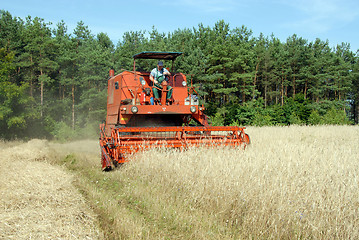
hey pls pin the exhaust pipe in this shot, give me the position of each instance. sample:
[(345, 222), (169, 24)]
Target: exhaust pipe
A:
[(112, 73)]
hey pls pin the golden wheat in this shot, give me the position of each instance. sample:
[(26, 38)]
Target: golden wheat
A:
[(292, 182)]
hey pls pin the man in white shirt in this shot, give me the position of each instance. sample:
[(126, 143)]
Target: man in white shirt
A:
[(157, 76)]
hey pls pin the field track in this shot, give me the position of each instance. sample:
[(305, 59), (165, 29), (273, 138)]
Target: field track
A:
[(38, 199)]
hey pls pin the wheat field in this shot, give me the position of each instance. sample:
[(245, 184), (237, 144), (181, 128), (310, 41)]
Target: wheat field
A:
[(296, 182), (291, 183)]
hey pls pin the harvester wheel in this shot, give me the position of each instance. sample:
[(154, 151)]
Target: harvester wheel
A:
[(246, 139)]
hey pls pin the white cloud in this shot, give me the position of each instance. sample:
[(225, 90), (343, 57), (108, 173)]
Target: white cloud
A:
[(329, 9), (323, 15)]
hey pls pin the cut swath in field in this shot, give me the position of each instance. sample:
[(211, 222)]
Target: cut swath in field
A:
[(37, 199)]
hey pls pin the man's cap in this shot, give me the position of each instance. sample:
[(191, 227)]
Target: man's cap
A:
[(160, 63)]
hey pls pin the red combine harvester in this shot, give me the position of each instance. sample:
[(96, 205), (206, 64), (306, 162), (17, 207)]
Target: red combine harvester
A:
[(136, 122)]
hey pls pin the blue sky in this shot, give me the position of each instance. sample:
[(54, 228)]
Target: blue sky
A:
[(333, 20)]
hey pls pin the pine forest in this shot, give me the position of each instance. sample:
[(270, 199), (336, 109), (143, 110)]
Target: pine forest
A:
[(53, 83)]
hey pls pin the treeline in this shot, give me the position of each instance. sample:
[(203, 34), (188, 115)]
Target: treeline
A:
[(53, 83)]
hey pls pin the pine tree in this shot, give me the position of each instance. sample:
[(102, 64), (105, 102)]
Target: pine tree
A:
[(37, 60)]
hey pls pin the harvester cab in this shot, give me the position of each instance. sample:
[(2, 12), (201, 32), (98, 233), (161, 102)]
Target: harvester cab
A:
[(135, 121)]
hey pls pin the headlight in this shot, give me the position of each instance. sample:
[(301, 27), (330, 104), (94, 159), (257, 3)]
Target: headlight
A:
[(134, 109), (193, 109), (143, 82), (184, 83)]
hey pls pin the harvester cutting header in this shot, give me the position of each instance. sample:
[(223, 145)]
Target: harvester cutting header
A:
[(154, 109)]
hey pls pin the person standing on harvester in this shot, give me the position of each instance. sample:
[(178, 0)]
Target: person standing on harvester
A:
[(157, 76)]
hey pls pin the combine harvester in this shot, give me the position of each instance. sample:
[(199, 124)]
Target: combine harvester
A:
[(136, 122)]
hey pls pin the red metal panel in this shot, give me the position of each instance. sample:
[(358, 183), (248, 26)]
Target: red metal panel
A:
[(157, 109), (112, 119), (180, 129), (110, 91)]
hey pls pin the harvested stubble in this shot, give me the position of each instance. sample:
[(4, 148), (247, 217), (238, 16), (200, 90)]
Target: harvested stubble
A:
[(38, 200)]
